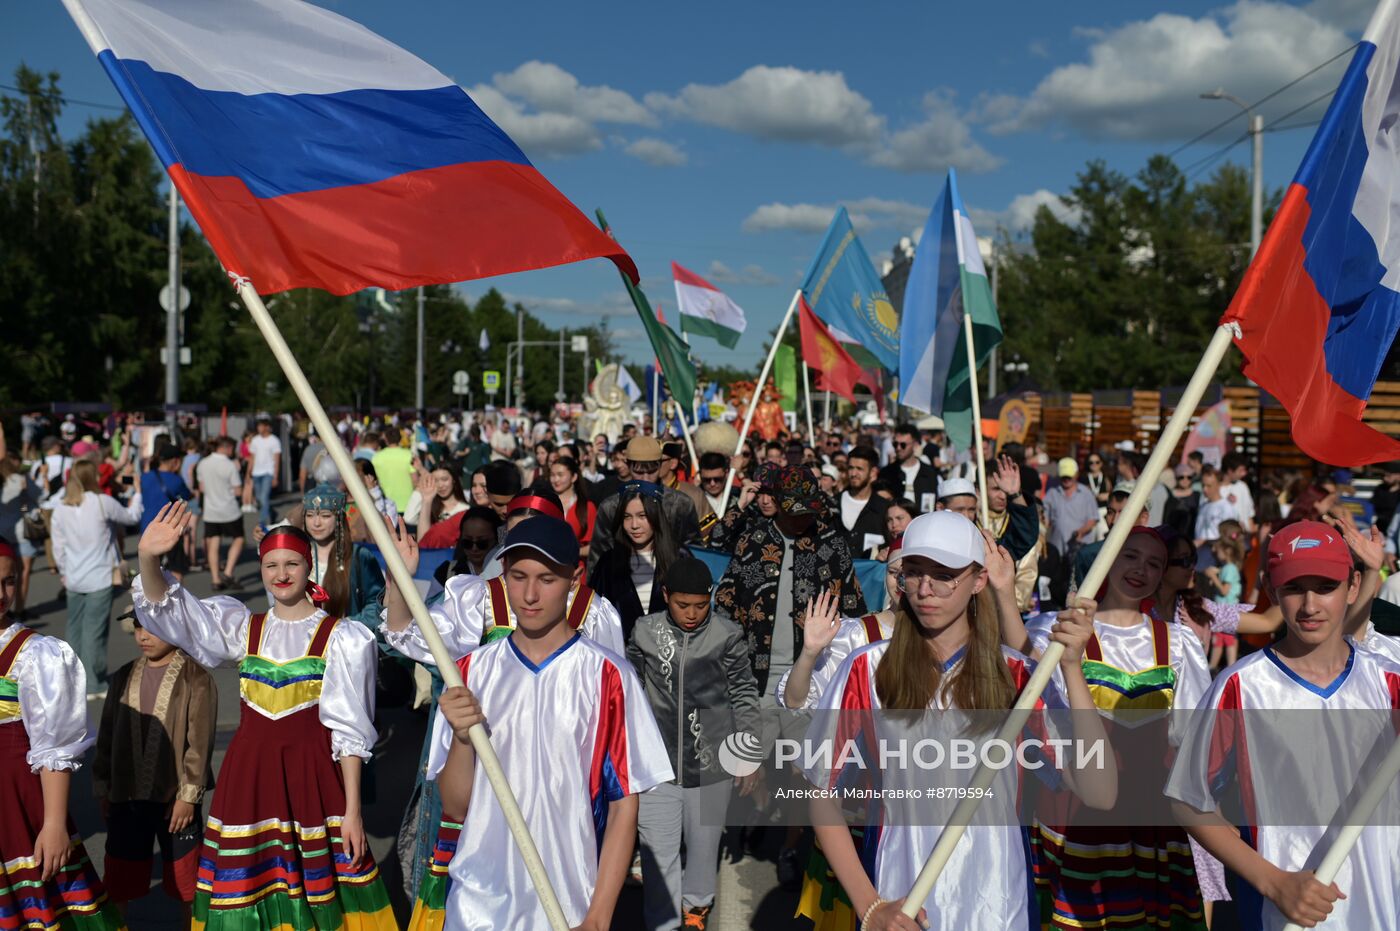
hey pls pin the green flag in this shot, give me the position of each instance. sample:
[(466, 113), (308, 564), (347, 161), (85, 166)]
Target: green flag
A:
[(785, 377), (670, 350)]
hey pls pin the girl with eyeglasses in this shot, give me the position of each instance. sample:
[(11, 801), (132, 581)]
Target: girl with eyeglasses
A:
[(1115, 875), (944, 654), (477, 535)]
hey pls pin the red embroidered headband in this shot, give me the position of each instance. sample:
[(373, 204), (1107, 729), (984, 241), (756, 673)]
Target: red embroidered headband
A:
[(534, 503), (281, 540)]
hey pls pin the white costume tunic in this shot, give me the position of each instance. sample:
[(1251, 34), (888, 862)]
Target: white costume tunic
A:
[(573, 733), (852, 634), (466, 615), (1133, 650), (986, 883), (52, 704), (1271, 765), (214, 632)]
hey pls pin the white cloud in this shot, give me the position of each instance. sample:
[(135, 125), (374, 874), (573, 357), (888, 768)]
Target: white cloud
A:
[(941, 139), (782, 103), (656, 152), (1142, 81), (549, 113), (749, 274), (866, 213), (549, 88), (1019, 215)]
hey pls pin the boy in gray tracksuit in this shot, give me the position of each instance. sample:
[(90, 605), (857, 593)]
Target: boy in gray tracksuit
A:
[(694, 664)]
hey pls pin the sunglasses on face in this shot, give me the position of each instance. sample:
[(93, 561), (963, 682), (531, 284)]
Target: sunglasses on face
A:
[(1095, 462), (712, 479), (476, 543), (1182, 562), (902, 445)]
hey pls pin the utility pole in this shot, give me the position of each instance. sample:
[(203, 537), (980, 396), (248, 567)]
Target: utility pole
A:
[(560, 395), (172, 315), (520, 349), (1256, 130), (418, 366)]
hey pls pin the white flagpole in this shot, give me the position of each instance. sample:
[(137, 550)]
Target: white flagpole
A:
[(976, 420), (1050, 659), (446, 663), (826, 412), (689, 443), (757, 391), (807, 395), (656, 399)]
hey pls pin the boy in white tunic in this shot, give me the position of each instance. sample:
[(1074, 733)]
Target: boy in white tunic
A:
[(576, 737), (1236, 743)]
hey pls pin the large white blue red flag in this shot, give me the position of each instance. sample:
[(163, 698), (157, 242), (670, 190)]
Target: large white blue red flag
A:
[(1319, 307), (314, 153)]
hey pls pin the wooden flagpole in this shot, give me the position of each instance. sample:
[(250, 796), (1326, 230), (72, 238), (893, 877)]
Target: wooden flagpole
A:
[(1093, 580), (757, 391), (446, 663)]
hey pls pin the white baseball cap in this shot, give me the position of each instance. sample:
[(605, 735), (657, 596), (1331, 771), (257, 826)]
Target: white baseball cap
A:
[(946, 537), (952, 487)]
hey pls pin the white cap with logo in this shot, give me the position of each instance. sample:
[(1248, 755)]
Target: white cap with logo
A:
[(946, 537)]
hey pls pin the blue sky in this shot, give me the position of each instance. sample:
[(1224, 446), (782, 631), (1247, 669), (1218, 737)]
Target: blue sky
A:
[(721, 136)]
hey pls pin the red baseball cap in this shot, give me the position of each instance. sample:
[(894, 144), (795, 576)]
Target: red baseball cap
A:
[(1308, 548)]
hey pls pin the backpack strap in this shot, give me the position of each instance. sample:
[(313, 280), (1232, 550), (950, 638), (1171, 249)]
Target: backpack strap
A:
[(255, 632), (500, 605), (11, 651), (322, 638), (1160, 643), (871, 623), (578, 611), (1093, 650)]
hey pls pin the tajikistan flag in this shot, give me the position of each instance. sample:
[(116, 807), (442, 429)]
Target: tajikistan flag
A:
[(946, 281), (706, 310)]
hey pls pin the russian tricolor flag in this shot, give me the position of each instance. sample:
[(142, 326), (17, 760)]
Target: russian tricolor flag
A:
[(1319, 306), (313, 153)]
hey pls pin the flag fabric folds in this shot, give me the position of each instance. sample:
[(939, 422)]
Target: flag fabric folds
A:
[(706, 310), (628, 384), (823, 354), (314, 153), (844, 290), (671, 351), (785, 377), (946, 282), (1319, 306)]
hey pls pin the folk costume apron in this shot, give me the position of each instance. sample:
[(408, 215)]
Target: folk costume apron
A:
[(273, 859), (1112, 877), (74, 900)]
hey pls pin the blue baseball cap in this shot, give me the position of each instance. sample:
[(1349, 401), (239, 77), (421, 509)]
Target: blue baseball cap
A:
[(546, 536)]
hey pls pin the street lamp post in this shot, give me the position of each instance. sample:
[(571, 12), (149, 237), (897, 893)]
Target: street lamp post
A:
[(1256, 130)]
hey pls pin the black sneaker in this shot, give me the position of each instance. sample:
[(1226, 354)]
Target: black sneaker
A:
[(789, 869)]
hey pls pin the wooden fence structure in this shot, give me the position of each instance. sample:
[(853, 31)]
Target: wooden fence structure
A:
[(1070, 424)]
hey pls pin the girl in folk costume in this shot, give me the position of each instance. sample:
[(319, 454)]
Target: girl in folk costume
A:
[(285, 843), (347, 572), (1116, 876), (944, 654), (46, 881)]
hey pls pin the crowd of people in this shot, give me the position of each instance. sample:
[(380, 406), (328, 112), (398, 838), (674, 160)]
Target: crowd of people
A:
[(618, 606)]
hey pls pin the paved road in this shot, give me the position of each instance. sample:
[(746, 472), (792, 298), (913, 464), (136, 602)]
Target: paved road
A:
[(748, 893)]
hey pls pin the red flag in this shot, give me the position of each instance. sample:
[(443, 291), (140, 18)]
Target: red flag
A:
[(837, 370)]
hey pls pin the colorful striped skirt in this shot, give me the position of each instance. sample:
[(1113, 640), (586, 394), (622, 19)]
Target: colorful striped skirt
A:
[(823, 898), (273, 859), (430, 905), (73, 900)]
